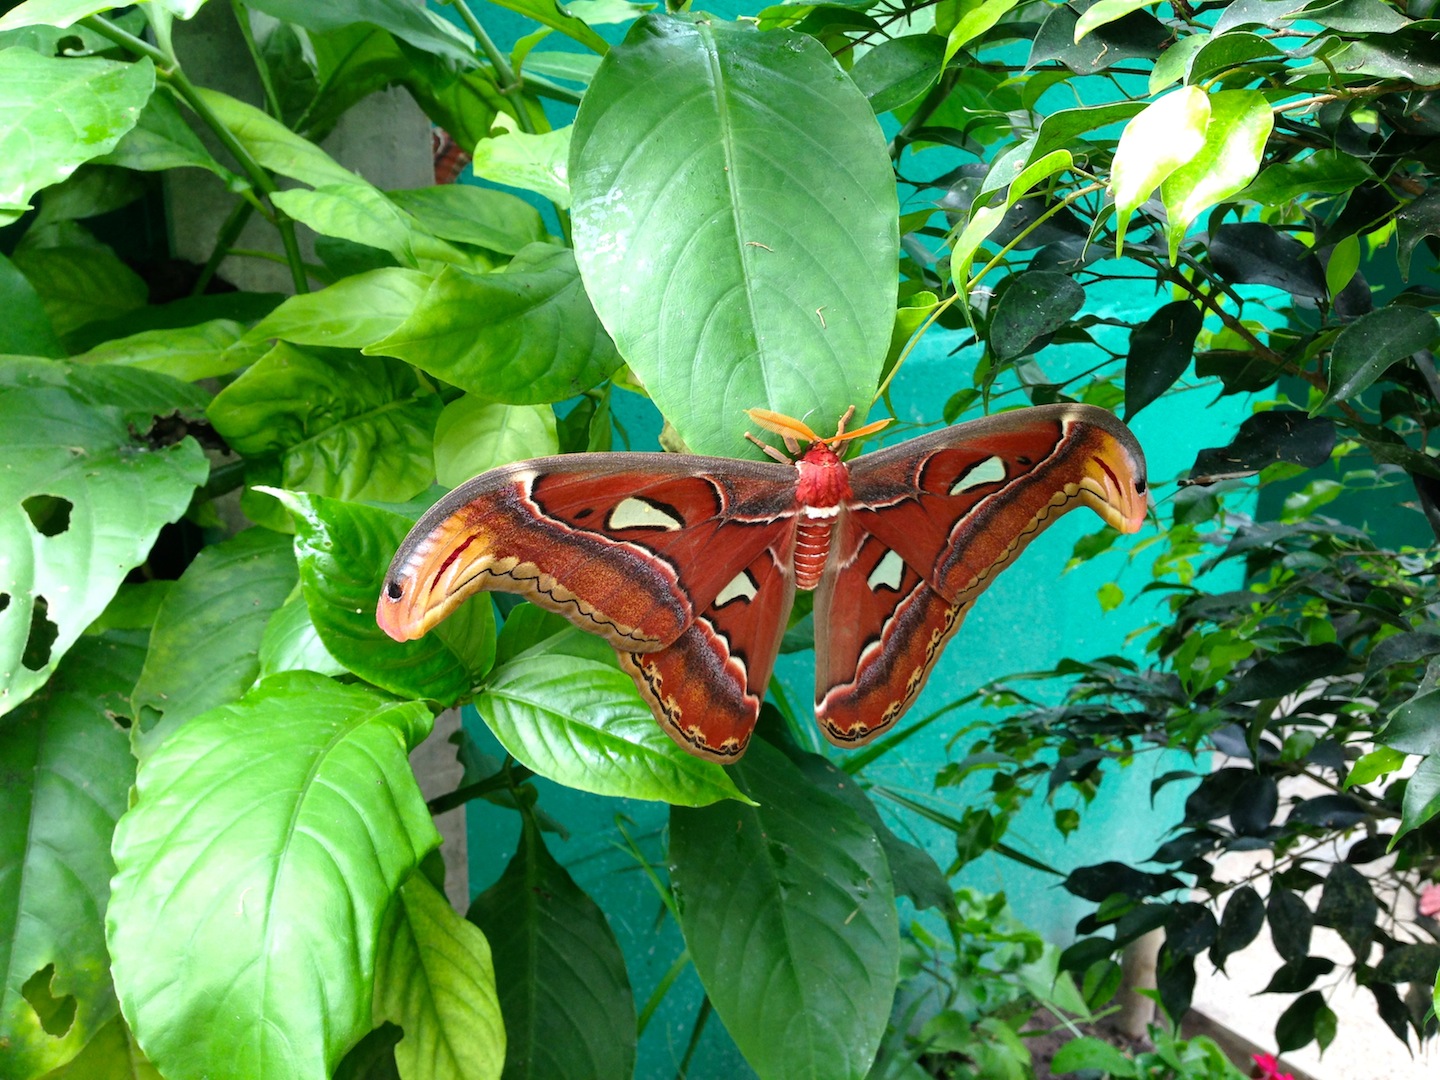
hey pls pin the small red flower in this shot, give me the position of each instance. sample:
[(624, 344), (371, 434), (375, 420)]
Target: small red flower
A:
[(1267, 1068), (1430, 900)]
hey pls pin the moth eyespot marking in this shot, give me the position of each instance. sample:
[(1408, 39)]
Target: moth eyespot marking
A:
[(989, 471), (888, 573), (638, 513), (393, 589), (741, 587)]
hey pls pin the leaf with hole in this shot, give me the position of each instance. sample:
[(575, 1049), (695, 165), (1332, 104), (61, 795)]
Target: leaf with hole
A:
[(254, 870), (69, 770), (103, 499)]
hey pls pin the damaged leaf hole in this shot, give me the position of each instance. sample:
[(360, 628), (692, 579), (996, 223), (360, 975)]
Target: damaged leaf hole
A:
[(50, 514), (56, 1014), (43, 633)]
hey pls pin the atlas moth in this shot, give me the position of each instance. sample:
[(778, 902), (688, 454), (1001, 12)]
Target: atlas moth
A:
[(688, 565)]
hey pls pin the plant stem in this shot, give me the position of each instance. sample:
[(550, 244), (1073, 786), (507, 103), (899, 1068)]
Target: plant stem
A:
[(509, 84), (230, 231), (272, 99), (168, 69)]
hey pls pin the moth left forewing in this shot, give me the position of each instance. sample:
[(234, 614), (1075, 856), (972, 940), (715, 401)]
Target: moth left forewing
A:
[(706, 687)]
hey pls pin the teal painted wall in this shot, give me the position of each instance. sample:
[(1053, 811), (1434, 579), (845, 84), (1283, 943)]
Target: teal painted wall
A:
[(1034, 616)]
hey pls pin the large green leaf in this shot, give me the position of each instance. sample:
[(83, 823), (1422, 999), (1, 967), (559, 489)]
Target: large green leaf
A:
[(111, 1055), (561, 977), (475, 435), (202, 351), (1238, 127), (291, 642), (99, 501), (354, 312), (581, 723), (79, 285), (66, 771), (434, 979), (58, 114), (1368, 346), (26, 329), (1422, 797), (702, 248), (340, 424), (207, 633), (789, 915), (344, 550), (254, 871), (527, 336)]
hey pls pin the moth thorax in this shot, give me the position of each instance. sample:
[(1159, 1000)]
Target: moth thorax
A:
[(824, 480)]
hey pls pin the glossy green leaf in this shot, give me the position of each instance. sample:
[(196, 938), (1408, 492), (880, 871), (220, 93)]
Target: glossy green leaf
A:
[(1372, 766), (254, 871), (434, 980), (275, 146), (1160, 351), (354, 312), (723, 288), (1356, 16), (291, 642), (581, 723), (161, 139), (1303, 1021), (1223, 52), (59, 445), (1036, 304), (1239, 125), (344, 550), (1348, 905), (1171, 65), (207, 633), (1103, 12), (527, 336), (561, 977), (413, 25), (1325, 172), (1167, 134), (520, 159), (1240, 924), (340, 424), (80, 285), (1344, 262), (468, 214), (474, 436), (1368, 346), (57, 114), (986, 219), (1422, 798), (1138, 35), (789, 915), (897, 71), (975, 19), (202, 351), (67, 769), (26, 329)]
